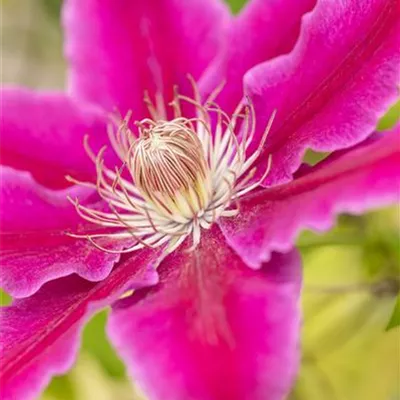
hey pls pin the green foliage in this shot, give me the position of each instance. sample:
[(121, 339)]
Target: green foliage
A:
[(60, 388), (351, 282), (52, 7), (95, 342), (395, 318), (5, 299), (390, 118), (236, 5)]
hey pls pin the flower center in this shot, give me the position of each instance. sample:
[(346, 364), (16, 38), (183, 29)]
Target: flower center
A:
[(169, 168), (177, 177)]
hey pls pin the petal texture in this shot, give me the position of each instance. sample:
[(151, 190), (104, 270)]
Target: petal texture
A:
[(263, 30), (43, 133), (212, 329), (39, 336), (34, 246), (353, 181), (119, 49), (330, 91)]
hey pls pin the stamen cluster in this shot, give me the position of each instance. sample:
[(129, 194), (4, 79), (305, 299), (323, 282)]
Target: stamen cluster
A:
[(177, 177)]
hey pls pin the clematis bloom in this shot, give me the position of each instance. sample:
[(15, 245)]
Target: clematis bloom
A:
[(184, 212)]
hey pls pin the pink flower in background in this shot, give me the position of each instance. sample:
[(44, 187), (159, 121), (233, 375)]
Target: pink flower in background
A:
[(206, 241)]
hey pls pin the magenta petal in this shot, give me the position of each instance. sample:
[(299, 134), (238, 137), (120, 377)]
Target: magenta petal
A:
[(43, 133), (357, 180), (119, 49), (262, 31), (213, 329), (34, 247), (330, 91), (39, 336)]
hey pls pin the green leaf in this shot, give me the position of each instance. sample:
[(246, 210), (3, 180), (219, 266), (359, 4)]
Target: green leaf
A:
[(95, 342), (390, 118), (52, 7), (236, 5), (5, 299), (395, 318)]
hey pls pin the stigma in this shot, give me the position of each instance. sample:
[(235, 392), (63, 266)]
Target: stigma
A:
[(176, 176)]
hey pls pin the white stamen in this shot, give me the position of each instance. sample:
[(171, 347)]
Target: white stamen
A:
[(177, 177)]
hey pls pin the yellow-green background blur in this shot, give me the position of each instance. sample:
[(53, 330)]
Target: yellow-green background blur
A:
[(350, 349)]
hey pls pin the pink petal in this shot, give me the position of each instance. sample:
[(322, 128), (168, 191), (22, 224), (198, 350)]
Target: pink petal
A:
[(213, 329), (357, 180), (34, 246), (119, 49), (39, 336), (262, 31), (43, 133), (331, 90)]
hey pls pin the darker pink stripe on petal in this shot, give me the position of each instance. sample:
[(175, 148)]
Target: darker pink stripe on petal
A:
[(360, 179), (330, 91), (39, 336), (213, 329)]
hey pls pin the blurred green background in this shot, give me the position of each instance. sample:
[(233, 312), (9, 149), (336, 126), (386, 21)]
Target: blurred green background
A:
[(351, 345)]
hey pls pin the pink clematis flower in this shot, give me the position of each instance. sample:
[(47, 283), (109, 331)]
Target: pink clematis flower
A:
[(185, 222)]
